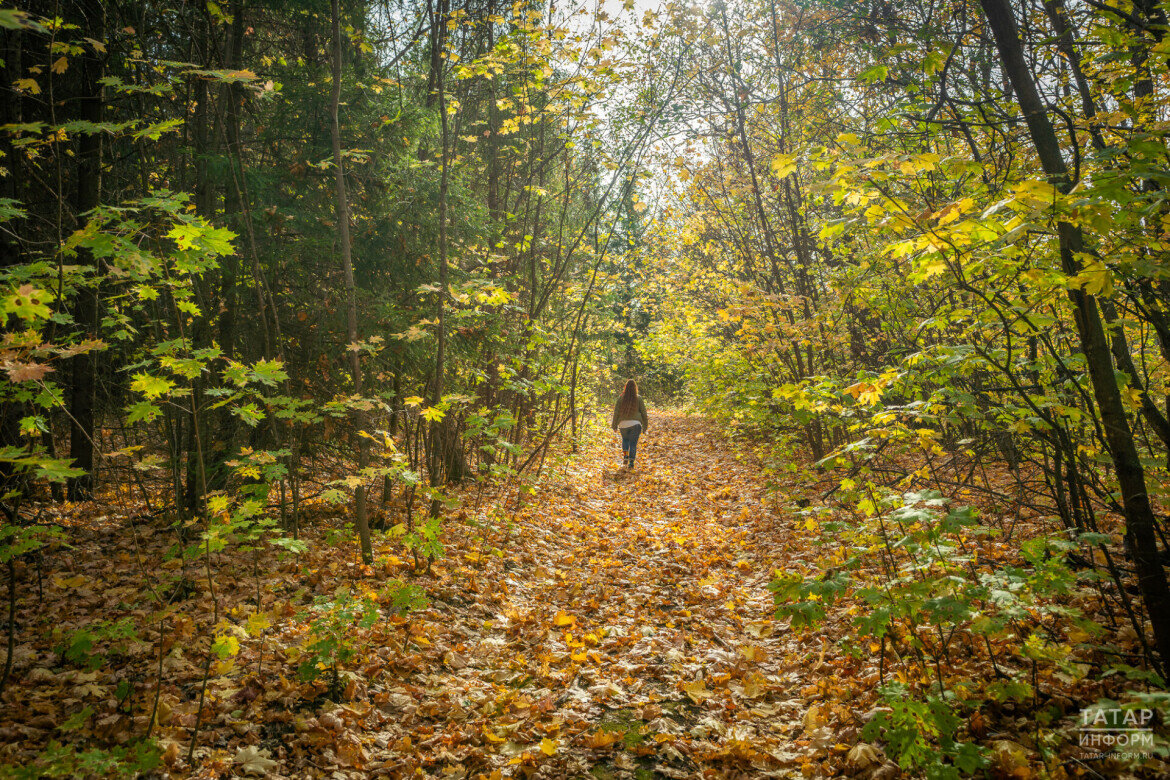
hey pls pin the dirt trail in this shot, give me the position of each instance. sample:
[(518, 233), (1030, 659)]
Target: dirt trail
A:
[(627, 631)]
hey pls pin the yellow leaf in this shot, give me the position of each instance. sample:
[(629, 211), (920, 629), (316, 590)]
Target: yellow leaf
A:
[(564, 619), (857, 389), (754, 685), (226, 646), (1095, 279), (815, 717), (752, 653), (28, 85), (761, 629), (548, 747), (257, 622), (783, 165), (696, 691), (60, 65), (933, 266)]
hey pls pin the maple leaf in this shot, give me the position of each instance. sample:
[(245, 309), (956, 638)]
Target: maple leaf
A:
[(863, 756), (696, 691), (28, 372), (754, 685), (760, 629), (255, 761), (28, 85), (752, 653)]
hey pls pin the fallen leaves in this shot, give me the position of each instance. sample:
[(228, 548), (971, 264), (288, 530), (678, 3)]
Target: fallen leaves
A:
[(753, 653), (623, 625), (1010, 758), (863, 756), (696, 691), (76, 581), (760, 629), (602, 739), (254, 761)]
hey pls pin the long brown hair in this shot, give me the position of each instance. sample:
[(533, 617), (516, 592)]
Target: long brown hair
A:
[(628, 403)]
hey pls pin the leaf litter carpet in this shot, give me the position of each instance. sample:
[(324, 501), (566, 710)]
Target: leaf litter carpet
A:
[(613, 625), (625, 632)]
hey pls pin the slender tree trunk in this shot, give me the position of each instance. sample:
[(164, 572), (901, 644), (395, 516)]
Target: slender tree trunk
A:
[(492, 147), (91, 15), (10, 247), (1067, 44), (1140, 522), (438, 438), (346, 248), (739, 90), (231, 94)]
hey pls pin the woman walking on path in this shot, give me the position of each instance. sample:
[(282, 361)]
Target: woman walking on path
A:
[(629, 417)]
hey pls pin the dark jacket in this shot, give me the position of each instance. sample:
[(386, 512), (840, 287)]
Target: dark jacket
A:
[(641, 414)]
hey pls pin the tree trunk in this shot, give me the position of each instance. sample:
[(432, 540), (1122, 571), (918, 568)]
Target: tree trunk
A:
[(91, 16), (10, 247), (440, 441), (345, 246), (1140, 523)]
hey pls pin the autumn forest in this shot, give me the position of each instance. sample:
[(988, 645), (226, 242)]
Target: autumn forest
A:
[(314, 314)]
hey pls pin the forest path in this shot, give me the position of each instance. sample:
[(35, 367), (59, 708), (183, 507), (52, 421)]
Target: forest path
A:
[(630, 632)]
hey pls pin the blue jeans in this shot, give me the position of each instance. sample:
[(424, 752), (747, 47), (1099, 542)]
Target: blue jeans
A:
[(630, 443)]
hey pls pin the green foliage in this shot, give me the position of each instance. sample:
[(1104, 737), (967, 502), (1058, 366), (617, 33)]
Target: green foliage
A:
[(91, 646), (910, 567), (423, 539), (402, 598), (16, 540), (334, 623), (633, 730), (921, 735), (59, 760), (804, 601)]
